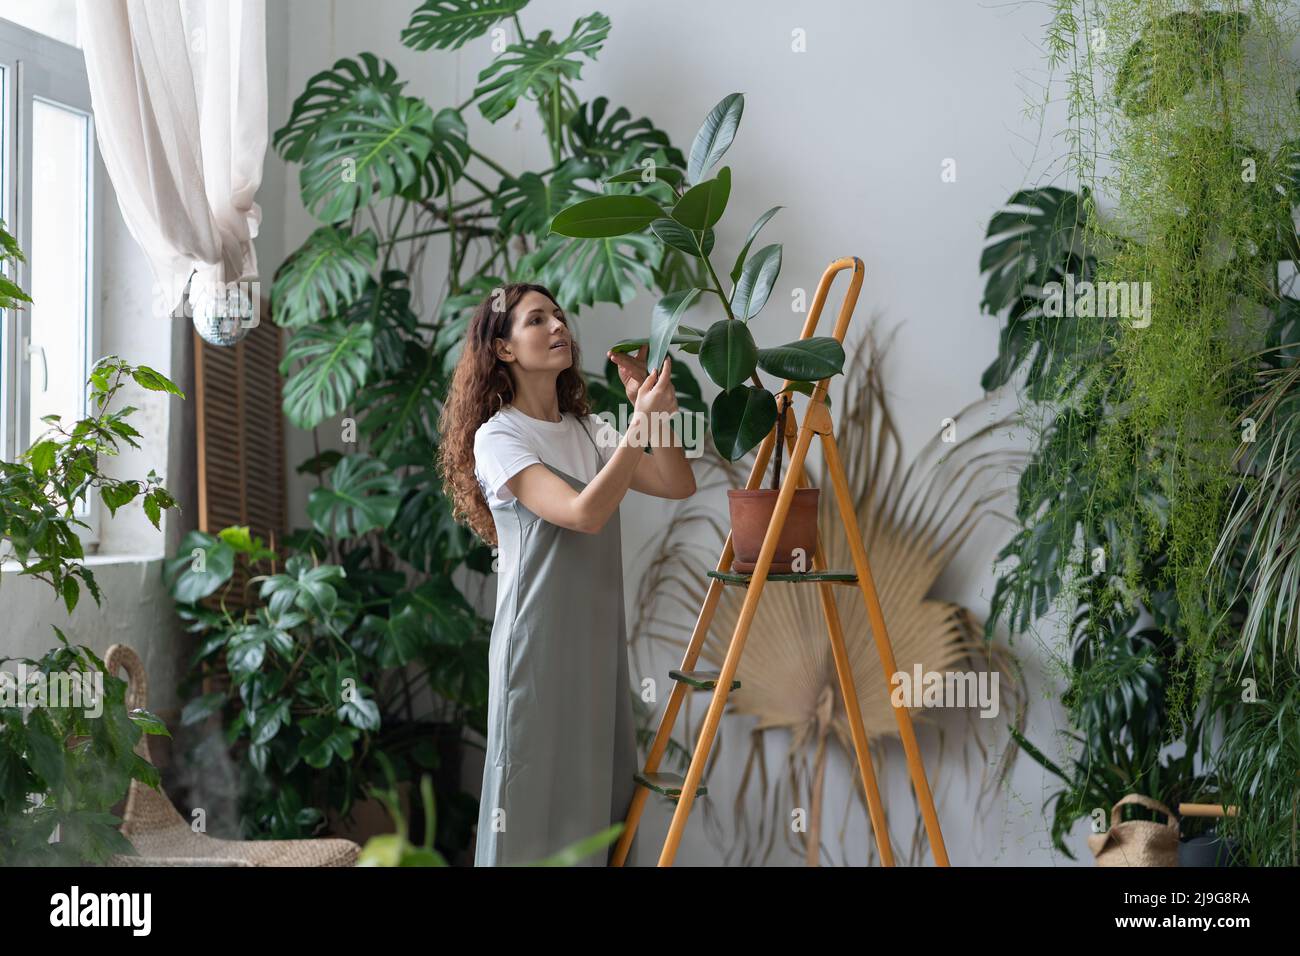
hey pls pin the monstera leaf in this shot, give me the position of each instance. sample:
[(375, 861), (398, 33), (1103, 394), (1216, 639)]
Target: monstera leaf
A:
[(386, 306), (606, 140), (587, 271), (527, 203), (453, 320), (403, 408), (538, 66), (450, 24), (348, 83), (326, 274), (422, 532), (361, 496), (1029, 250), (446, 161), (1033, 235), (335, 361), (366, 153)]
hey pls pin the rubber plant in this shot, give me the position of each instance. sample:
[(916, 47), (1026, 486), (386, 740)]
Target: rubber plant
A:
[(679, 210), (64, 768), (916, 514)]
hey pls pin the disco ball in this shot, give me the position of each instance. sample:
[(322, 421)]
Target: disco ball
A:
[(224, 316)]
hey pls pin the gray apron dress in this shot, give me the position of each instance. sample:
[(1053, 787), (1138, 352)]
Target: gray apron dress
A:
[(561, 750)]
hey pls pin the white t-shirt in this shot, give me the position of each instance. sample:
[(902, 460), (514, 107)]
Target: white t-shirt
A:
[(511, 440)]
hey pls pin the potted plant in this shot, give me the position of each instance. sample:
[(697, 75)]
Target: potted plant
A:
[(680, 208), (67, 738)]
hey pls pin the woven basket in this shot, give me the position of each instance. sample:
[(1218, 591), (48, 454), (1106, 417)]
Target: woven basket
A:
[(1137, 842), (162, 837)]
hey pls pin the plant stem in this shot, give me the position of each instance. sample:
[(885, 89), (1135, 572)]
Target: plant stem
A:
[(780, 442), (491, 164), (717, 284), (415, 235)]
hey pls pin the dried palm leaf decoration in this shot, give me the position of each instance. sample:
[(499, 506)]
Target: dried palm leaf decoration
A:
[(914, 518)]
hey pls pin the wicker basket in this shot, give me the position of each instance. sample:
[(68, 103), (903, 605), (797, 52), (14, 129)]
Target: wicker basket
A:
[(162, 837), (1137, 842)]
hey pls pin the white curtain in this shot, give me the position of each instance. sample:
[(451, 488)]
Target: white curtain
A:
[(179, 93)]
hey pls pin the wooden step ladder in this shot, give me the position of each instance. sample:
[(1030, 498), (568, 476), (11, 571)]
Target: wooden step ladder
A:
[(817, 421)]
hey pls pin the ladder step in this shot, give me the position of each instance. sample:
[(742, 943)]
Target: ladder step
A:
[(737, 577), (669, 784), (701, 680)]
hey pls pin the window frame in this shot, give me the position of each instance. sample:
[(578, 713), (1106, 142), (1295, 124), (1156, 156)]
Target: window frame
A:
[(39, 67)]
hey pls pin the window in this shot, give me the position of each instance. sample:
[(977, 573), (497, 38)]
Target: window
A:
[(51, 179)]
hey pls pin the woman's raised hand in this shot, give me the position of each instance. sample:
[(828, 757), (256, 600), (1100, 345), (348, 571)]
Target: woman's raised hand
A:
[(631, 369), (656, 393)]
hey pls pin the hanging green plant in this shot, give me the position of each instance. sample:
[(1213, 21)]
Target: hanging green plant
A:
[(1136, 333)]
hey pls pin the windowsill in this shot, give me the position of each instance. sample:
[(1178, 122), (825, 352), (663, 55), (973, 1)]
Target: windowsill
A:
[(10, 566)]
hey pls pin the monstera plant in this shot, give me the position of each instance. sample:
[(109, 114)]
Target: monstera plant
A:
[(396, 182)]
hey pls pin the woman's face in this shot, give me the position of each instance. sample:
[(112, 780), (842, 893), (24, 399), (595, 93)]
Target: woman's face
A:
[(539, 336)]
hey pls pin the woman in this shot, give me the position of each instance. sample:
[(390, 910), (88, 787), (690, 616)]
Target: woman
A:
[(531, 470)]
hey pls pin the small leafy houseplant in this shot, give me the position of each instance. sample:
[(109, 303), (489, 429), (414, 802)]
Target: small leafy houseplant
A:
[(67, 738), (680, 209)]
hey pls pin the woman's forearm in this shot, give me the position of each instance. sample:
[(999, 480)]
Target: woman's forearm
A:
[(603, 494), (674, 469)]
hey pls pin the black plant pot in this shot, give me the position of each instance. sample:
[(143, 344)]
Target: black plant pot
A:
[(1209, 849)]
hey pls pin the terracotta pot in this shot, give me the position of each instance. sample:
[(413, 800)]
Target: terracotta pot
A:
[(751, 513)]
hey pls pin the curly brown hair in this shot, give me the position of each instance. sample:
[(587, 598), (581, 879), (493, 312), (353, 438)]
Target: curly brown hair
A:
[(480, 386)]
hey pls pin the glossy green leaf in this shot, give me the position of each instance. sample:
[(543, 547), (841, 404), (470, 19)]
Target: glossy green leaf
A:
[(606, 217), (679, 237), (756, 280), (715, 136), (804, 360), (703, 205), (668, 313), (728, 353), (741, 418), (744, 250), (203, 563)]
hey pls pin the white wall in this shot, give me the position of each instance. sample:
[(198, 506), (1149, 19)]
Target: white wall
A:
[(850, 136)]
